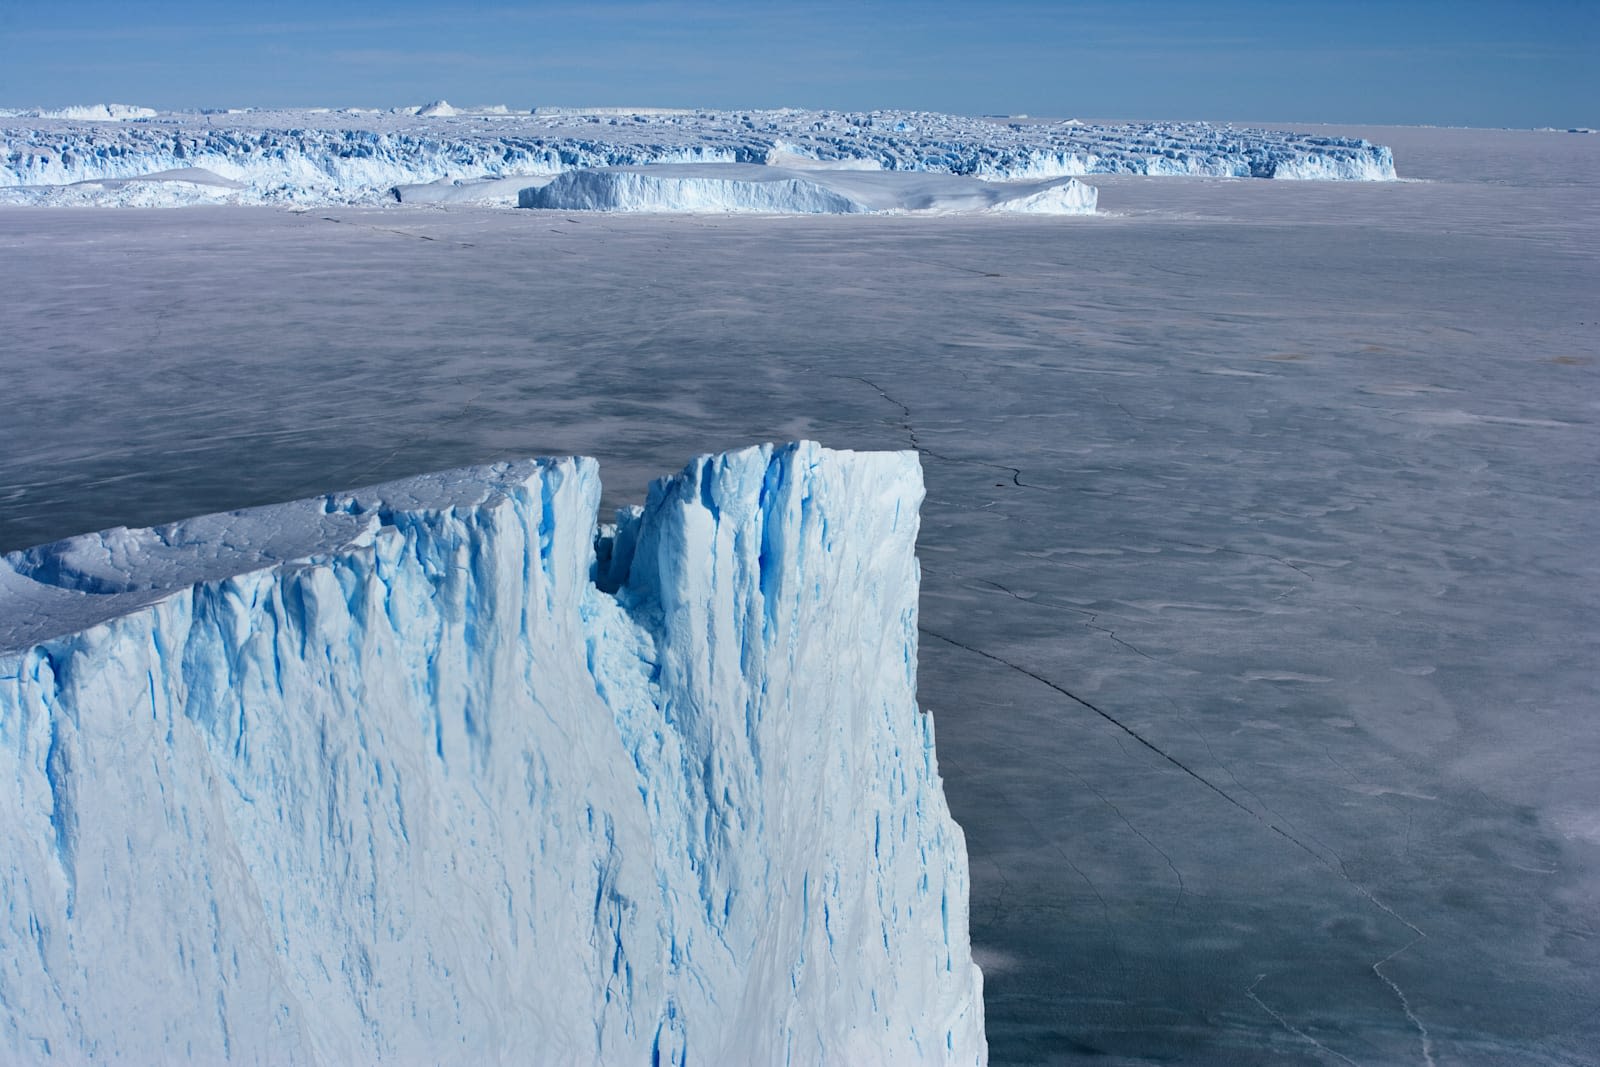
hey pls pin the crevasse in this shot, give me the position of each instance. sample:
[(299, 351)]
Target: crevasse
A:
[(414, 774)]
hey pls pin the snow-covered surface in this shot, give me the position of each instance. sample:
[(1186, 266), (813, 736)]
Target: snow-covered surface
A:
[(752, 188), (352, 155), (411, 774)]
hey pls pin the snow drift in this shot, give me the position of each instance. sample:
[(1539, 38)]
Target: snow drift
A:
[(734, 187), (171, 188), (428, 772)]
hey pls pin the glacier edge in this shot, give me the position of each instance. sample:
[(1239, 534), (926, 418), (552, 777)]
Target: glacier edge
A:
[(387, 774)]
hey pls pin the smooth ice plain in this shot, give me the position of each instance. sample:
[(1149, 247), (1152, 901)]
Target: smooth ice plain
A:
[(1258, 584)]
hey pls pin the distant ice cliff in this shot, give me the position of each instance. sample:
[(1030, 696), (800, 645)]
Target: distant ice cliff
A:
[(349, 156), (429, 773), (733, 187)]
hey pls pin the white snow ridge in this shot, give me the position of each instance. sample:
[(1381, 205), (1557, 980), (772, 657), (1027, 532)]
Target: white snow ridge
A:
[(429, 772)]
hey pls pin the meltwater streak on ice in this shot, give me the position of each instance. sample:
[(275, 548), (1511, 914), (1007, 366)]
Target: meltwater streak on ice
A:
[(353, 156), (413, 773)]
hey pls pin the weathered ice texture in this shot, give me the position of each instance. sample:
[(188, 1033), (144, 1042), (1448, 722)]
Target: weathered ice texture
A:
[(411, 774)]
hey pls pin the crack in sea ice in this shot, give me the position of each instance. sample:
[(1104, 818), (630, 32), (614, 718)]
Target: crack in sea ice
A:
[(1344, 875), (922, 449), (1287, 1025), (1107, 716)]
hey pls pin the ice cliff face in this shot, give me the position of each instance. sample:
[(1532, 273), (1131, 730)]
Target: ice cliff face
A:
[(425, 773), (325, 155), (733, 187), (658, 189)]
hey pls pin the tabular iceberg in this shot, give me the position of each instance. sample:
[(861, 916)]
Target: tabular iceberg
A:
[(430, 772), (752, 188)]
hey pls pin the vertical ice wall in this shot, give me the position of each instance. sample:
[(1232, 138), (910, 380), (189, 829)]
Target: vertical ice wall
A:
[(390, 776)]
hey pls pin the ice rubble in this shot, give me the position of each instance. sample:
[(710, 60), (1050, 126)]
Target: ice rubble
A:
[(427, 772), (322, 155), (734, 187)]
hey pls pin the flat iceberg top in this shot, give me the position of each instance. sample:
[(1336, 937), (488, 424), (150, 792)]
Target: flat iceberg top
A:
[(353, 155), (745, 187), (76, 583)]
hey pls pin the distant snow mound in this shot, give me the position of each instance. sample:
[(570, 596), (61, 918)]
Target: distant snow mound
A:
[(757, 189), (182, 187), (439, 109), (1059, 198)]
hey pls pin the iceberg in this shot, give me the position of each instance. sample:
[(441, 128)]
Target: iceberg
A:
[(668, 189), (748, 188), (442, 771), (1374, 166), (439, 109)]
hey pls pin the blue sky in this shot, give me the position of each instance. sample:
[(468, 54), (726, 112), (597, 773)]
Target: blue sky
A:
[(1466, 62)]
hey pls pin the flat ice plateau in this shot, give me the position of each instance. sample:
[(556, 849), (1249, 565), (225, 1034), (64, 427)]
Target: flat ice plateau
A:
[(88, 155), (428, 773)]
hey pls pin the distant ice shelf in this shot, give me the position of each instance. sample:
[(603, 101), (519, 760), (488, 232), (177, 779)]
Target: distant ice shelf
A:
[(440, 771), (83, 113), (353, 155)]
